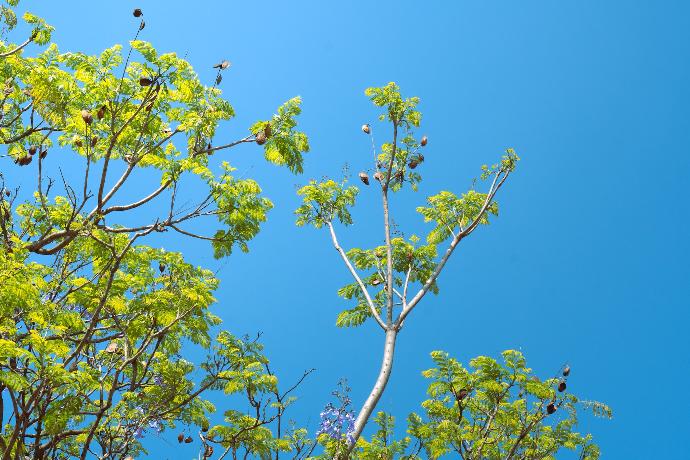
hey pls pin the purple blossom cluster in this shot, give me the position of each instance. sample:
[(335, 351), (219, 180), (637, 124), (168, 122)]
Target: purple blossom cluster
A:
[(155, 424), (335, 421)]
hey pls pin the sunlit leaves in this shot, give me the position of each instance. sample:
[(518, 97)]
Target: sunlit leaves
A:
[(284, 145), (325, 201), (494, 411), (398, 110), (452, 214), (241, 208)]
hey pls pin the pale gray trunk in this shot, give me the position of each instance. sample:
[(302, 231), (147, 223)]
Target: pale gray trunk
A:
[(379, 386)]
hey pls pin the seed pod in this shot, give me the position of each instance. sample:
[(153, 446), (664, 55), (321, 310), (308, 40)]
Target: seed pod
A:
[(188, 439), (180, 438), (462, 393), (25, 160), (561, 386), (161, 267), (7, 192), (378, 176), (145, 81), (78, 143), (43, 154), (101, 112), (111, 348), (86, 116), (261, 138), (366, 128), (412, 164), (222, 65), (32, 150), (137, 12), (566, 371), (551, 408), (267, 130), (364, 177), (94, 141), (424, 141)]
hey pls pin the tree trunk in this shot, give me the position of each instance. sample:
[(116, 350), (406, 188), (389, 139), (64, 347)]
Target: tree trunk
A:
[(379, 386)]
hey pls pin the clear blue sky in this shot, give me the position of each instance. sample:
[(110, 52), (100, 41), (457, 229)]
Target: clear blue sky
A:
[(588, 261)]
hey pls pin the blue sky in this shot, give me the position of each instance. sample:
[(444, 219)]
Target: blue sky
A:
[(587, 262)]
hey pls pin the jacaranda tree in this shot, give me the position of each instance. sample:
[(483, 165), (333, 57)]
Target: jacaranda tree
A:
[(97, 320), (495, 412), (92, 319)]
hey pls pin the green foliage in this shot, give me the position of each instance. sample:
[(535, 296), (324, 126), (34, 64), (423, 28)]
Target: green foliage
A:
[(398, 110), (93, 321), (284, 146), (325, 201), (496, 411)]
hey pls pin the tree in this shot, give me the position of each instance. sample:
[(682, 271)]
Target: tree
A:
[(92, 319), (498, 411), (391, 280)]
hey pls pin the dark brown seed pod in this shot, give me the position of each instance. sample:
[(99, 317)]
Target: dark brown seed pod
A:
[(78, 143), (94, 141), (378, 176), (364, 177), (412, 164), (462, 394), (145, 81), (366, 128), (43, 154), (86, 116), (137, 12), (261, 138), (32, 150), (25, 160), (551, 408), (268, 131), (424, 141), (222, 65), (188, 439), (7, 192), (566, 371), (101, 112), (562, 386), (161, 267), (180, 438)]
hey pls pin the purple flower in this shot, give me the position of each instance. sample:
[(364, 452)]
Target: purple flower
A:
[(334, 421)]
